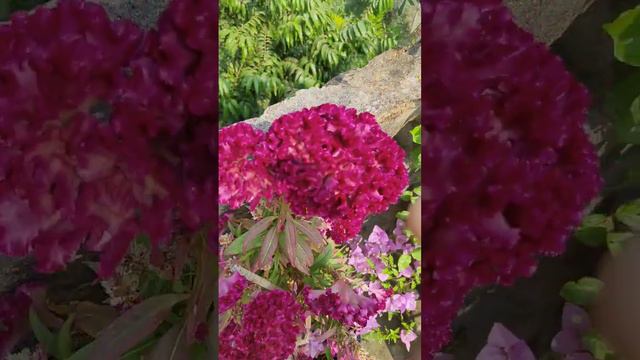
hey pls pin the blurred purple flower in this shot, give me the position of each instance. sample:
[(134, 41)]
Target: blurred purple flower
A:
[(358, 260), (407, 336), (575, 324), (401, 302), (371, 325), (378, 242), (503, 345)]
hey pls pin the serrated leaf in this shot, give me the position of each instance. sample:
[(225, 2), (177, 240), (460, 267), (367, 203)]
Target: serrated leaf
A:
[(290, 240), (582, 292), (316, 238), (256, 230), (404, 261), (269, 246), (625, 32), (133, 326), (323, 258), (304, 256)]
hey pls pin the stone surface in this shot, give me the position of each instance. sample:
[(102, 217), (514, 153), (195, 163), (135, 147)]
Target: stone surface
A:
[(145, 13), (547, 19), (388, 87)]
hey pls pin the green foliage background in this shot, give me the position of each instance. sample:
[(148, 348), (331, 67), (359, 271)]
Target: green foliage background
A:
[(270, 48)]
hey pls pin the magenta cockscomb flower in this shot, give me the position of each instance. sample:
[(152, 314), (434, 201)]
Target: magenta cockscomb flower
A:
[(327, 161), (342, 303), (270, 325), (96, 147), (510, 167), (230, 290), (243, 174), (337, 164)]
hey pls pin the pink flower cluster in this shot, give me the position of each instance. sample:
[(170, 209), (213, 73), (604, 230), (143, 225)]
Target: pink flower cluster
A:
[(97, 145), (242, 170), (343, 304), (270, 326), (230, 290), (510, 167), (327, 161)]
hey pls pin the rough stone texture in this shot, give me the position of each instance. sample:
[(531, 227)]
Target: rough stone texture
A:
[(547, 19), (145, 13), (388, 87)]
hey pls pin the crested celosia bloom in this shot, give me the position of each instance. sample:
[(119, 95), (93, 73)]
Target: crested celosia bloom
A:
[(337, 164), (342, 303), (95, 147), (230, 290), (327, 161), (243, 176), (510, 167), (270, 324)]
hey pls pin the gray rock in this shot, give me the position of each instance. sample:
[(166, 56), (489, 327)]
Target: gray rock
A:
[(547, 20), (145, 13), (388, 87)]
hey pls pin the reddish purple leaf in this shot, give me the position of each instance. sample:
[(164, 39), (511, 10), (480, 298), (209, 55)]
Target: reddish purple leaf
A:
[(133, 326)]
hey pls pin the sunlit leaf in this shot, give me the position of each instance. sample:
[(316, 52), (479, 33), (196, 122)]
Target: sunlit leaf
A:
[(269, 246), (625, 32), (404, 261), (256, 230)]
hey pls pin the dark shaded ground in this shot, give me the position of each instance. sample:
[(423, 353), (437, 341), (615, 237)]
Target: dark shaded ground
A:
[(532, 308)]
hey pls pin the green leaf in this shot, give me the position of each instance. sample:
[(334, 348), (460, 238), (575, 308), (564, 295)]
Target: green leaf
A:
[(416, 134), (629, 214), (582, 292), (592, 236), (620, 104), (323, 258), (42, 333), (402, 215), (63, 339), (257, 229), (404, 261), (616, 241), (597, 346), (625, 32), (417, 254), (133, 326), (269, 246)]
